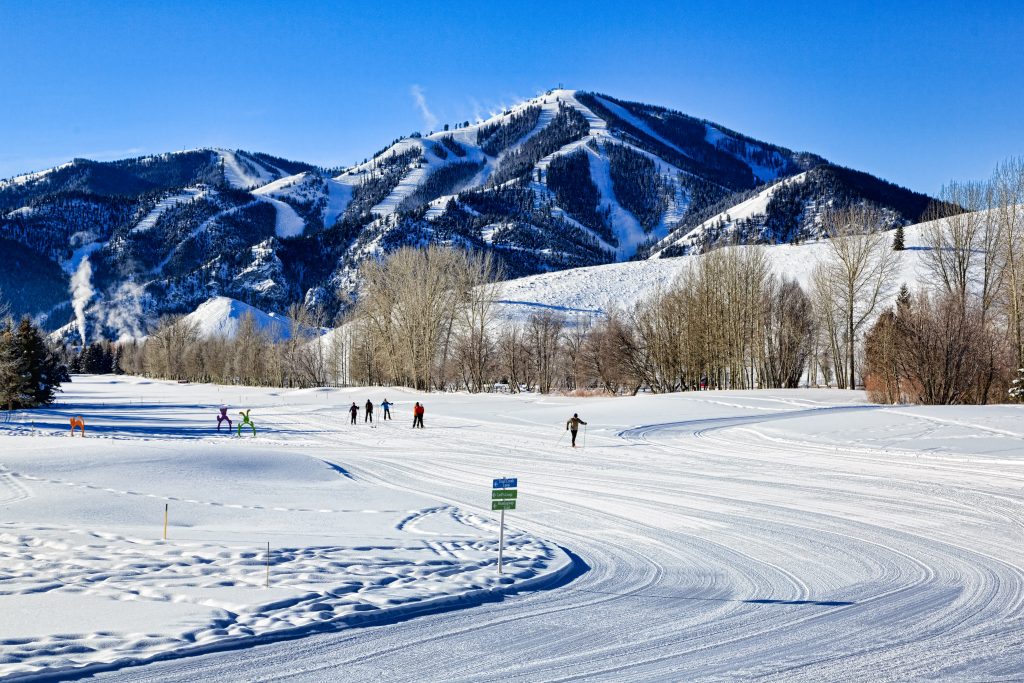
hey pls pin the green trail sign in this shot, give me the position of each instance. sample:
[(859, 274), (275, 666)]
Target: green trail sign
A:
[(503, 497)]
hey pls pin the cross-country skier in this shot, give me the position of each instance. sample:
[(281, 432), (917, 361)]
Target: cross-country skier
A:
[(368, 415), (417, 415), (387, 409), (353, 411), (573, 425)]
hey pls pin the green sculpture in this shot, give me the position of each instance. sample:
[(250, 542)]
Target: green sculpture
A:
[(246, 421)]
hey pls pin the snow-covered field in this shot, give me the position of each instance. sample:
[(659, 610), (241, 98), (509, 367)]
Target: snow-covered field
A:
[(782, 535), (87, 580)]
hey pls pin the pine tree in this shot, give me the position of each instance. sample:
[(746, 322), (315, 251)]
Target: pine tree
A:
[(897, 239), (40, 371), (903, 301), (12, 368), (1017, 387)]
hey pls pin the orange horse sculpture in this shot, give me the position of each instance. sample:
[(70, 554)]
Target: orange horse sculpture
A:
[(77, 422)]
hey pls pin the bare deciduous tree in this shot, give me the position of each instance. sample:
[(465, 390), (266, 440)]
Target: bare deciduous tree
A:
[(856, 278)]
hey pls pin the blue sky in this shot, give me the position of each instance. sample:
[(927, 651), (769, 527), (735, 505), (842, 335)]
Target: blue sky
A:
[(919, 94)]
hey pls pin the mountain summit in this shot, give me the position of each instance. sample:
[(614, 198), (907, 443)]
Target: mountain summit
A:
[(566, 179)]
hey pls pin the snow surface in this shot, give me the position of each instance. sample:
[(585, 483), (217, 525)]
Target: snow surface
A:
[(306, 188), (170, 201), (339, 195), (32, 177), (238, 175), (86, 580), (797, 535), (287, 223), (621, 286), (220, 316)]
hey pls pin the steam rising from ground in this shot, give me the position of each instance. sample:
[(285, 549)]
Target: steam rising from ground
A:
[(81, 293), (125, 313)]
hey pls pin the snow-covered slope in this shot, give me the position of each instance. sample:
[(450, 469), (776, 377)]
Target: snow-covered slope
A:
[(599, 289), (171, 200), (270, 536), (221, 316), (244, 171), (726, 220)]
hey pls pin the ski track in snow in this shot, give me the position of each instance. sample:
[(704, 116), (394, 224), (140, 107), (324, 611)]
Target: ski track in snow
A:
[(711, 552)]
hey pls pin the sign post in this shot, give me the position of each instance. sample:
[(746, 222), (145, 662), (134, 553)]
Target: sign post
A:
[(503, 497)]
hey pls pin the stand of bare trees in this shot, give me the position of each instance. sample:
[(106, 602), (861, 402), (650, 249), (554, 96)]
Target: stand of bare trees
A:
[(959, 341), (728, 322), (853, 282), (304, 358), (424, 319)]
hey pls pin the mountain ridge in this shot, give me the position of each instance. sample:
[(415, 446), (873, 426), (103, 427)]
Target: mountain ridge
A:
[(566, 179)]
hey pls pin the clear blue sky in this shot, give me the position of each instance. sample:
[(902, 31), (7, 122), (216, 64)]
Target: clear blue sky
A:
[(919, 93)]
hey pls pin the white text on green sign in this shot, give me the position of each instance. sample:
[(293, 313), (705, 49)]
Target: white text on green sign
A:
[(504, 494), (503, 505)]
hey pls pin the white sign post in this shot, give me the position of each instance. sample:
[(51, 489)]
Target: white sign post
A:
[(503, 497)]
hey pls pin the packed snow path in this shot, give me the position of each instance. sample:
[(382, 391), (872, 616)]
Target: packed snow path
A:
[(735, 535)]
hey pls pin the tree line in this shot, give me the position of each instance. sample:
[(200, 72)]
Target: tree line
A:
[(177, 350)]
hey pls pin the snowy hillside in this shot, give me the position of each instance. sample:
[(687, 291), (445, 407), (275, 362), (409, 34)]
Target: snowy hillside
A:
[(221, 317), (598, 289), (725, 221)]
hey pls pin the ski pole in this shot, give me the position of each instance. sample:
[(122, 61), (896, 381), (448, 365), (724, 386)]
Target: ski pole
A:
[(584, 436), (560, 438)]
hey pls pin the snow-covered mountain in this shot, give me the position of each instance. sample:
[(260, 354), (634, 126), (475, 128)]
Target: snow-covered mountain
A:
[(564, 180)]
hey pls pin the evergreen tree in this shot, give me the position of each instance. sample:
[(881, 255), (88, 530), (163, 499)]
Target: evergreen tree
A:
[(75, 361), (903, 301), (1017, 387), (897, 240), (38, 370), (12, 369)]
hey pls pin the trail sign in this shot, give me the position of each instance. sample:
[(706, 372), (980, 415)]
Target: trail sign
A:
[(503, 497)]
